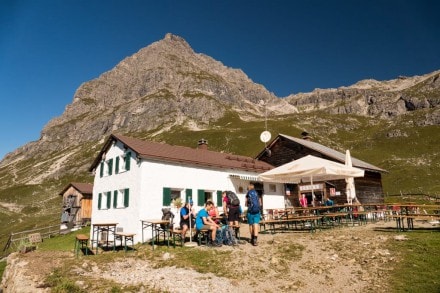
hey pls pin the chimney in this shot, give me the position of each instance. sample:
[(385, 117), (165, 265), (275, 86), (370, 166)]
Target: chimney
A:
[(202, 144), (305, 135)]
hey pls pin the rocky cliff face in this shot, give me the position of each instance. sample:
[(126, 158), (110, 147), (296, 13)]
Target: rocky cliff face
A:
[(385, 100)]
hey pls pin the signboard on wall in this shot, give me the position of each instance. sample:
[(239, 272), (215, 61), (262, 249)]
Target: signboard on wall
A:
[(310, 187)]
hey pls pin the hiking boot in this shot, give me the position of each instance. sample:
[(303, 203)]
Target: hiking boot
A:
[(215, 244), (255, 243)]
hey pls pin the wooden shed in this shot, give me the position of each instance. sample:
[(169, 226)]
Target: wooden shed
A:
[(283, 149), (77, 204)]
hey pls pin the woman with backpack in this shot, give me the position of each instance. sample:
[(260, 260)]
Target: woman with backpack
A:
[(231, 208)]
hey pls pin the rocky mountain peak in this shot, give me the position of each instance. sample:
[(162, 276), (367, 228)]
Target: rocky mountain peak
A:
[(162, 85)]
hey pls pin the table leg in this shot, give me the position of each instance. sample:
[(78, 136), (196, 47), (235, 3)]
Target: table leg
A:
[(152, 235)]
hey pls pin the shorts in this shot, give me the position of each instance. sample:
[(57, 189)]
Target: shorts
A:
[(253, 218), (206, 227), (184, 223), (234, 213)]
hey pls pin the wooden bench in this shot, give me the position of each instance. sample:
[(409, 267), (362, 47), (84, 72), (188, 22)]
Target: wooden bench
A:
[(203, 235), (176, 234), (81, 241), (124, 237)]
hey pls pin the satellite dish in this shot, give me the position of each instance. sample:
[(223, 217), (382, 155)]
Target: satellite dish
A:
[(265, 136)]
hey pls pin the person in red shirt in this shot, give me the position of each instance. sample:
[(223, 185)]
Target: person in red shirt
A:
[(303, 200)]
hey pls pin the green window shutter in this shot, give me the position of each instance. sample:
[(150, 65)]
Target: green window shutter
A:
[(117, 165), (166, 196), (127, 161), (110, 166), (115, 199), (109, 199), (188, 194), (99, 200), (101, 169), (200, 197), (126, 197), (219, 198)]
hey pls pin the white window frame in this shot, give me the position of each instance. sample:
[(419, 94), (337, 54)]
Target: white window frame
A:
[(120, 199), (104, 200)]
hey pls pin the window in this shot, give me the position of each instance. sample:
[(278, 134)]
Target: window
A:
[(203, 196), (104, 200), (105, 168), (120, 198), (123, 163), (272, 188), (169, 195)]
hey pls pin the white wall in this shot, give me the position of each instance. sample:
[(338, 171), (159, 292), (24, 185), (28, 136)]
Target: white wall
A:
[(146, 181)]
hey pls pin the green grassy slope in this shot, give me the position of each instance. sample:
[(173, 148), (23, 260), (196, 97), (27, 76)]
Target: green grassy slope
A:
[(412, 158)]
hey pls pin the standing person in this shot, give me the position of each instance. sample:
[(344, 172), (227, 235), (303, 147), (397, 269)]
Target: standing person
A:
[(303, 200), (232, 212), (253, 203), (203, 221), (186, 214)]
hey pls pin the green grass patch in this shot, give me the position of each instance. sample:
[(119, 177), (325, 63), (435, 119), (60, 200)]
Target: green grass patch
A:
[(2, 269), (62, 242), (419, 266)]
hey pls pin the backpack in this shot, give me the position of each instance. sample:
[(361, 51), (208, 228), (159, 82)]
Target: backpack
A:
[(253, 202), (228, 236), (219, 237), (233, 198), (167, 215)]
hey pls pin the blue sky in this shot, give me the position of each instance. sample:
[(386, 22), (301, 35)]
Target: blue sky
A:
[(49, 48)]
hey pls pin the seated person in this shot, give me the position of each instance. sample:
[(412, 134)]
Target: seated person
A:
[(328, 202), (187, 214), (203, 221), (214, 214)]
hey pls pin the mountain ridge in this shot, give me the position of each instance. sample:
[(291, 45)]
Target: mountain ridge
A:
[(167, 85)]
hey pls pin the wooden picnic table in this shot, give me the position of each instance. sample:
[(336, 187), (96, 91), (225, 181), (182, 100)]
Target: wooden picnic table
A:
[(98, 229), (311, 219), (157, 227)]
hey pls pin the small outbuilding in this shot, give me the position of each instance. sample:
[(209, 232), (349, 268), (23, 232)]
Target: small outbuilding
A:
[(77, 205)]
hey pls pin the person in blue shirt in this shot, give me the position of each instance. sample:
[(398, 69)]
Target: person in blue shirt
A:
[(328, 202), (203, 221), (187, 214)]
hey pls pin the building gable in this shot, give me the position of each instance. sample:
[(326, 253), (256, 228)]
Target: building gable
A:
[(283, 149)]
